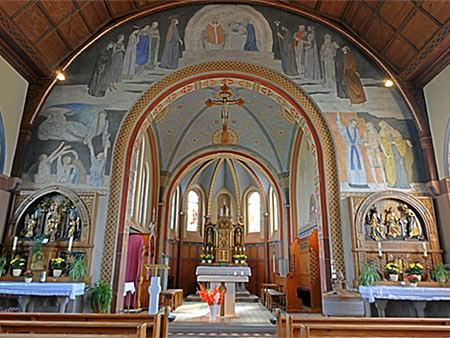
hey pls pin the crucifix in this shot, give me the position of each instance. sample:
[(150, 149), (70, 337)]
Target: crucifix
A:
[(225, 96)]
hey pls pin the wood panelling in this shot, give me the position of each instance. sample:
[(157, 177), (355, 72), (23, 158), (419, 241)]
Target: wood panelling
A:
[(33, 22), (419, 29), (57, 10), (53, 47), (334, 8), (372, 3), (440, 10), (399, 53), (379, 34), (74, 31), (307, 3), (95, 14), (395, 12), (12, 7), (120, 7)]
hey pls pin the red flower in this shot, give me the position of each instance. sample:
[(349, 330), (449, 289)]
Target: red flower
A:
[(210, 297)]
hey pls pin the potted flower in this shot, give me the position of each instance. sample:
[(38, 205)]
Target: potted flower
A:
[(209, 258), (28, 276), (213, 299), (236, 259), (17, 265), (78, 269), (441, 273), (415, 269), (101, 297), (368, 276), (413, 280), (393, 271), (243, 259), (57, 266), (203, 258)]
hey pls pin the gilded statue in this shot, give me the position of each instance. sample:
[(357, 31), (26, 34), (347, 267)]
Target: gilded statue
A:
[(73, 223), (210, 236), (53, 219), (378, 230), (412, 223), (238, 237), (392, 223), (30, 223)]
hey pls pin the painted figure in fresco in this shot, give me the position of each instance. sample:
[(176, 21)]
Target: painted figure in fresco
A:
[(98, 162), (129, 61), (30, 223), (153, 34), (327, 54), (44, 167), (171, 52), (288, 63), (341, 85), (392, 223), (142, 49), (356, 171), (214, 35), (101, 76), (237, 37), (413, 226), (375, 151), (250, 42), (355, 88), (377, 229), (118, 54), (312, 62), (66, 172), (299, 39), (398, 157)]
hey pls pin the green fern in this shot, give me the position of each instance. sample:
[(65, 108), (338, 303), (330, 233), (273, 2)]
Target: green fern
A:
[(368, 276)]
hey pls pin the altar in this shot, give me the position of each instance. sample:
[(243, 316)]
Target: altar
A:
[(226, 276)]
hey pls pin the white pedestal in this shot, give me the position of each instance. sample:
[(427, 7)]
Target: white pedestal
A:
[(153, 291)]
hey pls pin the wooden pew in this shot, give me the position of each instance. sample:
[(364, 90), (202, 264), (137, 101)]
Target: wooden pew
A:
[(278, 291), (157, 325), (394, 331), (290, 326), (124, 329)]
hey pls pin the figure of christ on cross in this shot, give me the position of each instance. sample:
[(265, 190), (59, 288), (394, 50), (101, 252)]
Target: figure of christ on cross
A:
[(225, 96)]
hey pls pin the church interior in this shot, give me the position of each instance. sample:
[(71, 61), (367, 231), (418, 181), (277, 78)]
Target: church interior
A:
[(196, 168)]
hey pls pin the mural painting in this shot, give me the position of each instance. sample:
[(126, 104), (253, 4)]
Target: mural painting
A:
[(76, 128)]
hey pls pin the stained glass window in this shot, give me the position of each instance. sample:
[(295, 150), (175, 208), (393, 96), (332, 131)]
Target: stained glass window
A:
[(193, 211), (141, 195), (173, 207), (135, 179), (274, 210), (254, 212)]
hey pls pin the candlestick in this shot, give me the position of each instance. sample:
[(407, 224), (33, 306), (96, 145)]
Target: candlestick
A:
[(235, 273), (273, 262), (425, 252), (244, 248), (380, 252), (242, 273), (69, 248), (14, 246)]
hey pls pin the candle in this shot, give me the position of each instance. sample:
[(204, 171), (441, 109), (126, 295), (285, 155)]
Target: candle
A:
[(273, 262), (380, 252), (425, 252), (15, 243), (244, 248), (242, 273), (235, 273), (69, 248)]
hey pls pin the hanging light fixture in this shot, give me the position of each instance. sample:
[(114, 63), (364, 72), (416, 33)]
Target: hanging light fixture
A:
[(60, 76), (388, 83)]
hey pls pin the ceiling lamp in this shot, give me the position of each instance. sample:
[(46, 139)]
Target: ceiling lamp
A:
[(60, 76), (388, 83)]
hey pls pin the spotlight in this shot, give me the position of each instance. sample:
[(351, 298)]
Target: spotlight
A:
[(60, 76), (388, 83)]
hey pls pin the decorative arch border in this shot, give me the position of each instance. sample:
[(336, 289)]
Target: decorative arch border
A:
[(2, 145), (146, 108)]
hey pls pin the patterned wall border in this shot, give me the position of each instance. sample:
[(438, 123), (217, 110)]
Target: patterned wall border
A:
[(136, 116)]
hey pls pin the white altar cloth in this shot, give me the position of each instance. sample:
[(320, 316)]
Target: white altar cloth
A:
[(223, 270), (128, 287), (404, 293), (70, 290)]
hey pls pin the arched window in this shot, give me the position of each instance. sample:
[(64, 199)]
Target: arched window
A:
[(135, 180), (173, 209), (254, 212), (193, 211), (274, 221)]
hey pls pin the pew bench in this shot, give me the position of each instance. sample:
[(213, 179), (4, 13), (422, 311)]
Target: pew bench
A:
[(156, 325), (264, 288), (178, 298), (124, 329)]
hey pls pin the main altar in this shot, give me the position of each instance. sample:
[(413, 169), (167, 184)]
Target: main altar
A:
[(224, 242)]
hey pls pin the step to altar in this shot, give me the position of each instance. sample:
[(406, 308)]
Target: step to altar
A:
[(241, 297)]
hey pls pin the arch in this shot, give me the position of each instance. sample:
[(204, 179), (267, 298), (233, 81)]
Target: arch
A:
[(147, 107), (2, 145), (249, 194)]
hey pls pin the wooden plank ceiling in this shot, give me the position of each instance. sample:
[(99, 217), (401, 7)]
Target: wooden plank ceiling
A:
[(411, 36)]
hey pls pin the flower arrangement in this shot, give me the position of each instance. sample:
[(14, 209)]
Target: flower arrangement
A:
[(392, 269), (57, 263), (240, 257), (203, 257), (18, 263), (211, 297), (412, 279), (209, 257), (28, 274), (415, 269)]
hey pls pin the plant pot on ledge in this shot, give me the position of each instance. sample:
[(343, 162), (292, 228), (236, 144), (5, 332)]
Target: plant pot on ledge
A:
[(393, 277), (57, 272), (28, 280), (16, 272)]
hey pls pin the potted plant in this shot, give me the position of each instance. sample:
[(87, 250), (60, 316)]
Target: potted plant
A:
[(101, 297), (393, 271), (441, 273), (243, 259), (203, 258), (77, 269), (17, 265), (3, 263), (368, 276), (236, 259), (28, 276), (413, 280), (57, 266), (415, 269), (209, 258)]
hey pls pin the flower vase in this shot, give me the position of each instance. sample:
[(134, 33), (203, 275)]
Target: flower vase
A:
[(419, 277), (203, 261), (393, 277), (154, 290), (28, 280), (16, 272), (209, 261), (213, 312), (57, 272), (242, 261), (413, 285)]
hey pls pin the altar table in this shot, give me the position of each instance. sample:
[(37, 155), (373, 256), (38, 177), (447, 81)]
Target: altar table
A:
[(419, 296), (62, 291), (216, 275)]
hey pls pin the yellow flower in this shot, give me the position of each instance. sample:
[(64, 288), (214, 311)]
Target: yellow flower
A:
[(411, 265), (419, 265)]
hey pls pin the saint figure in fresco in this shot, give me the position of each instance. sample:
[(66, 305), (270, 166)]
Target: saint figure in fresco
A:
[(171, 52), (118, 54), (375, 151), (214, 35), (129, 62), (98, 162), (142, 49), (312, 62), (398, 157), (250, 42), (341, 86), (153, 34), (299, 39), (327, 54), (356, 172), (288, 63), (101, 75), (355, 88)]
